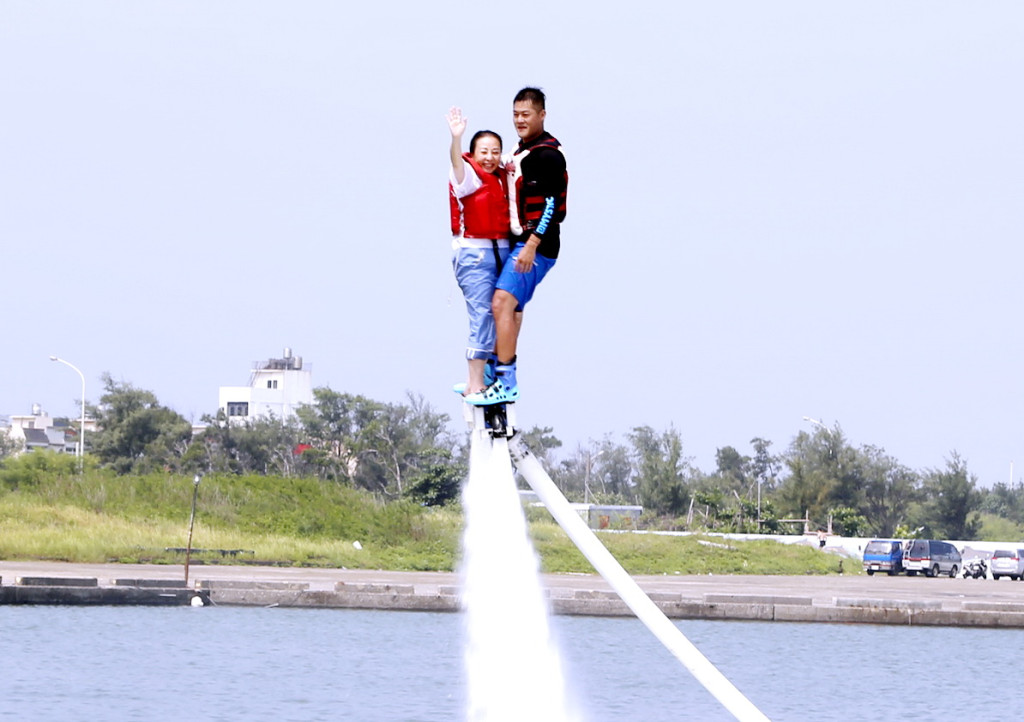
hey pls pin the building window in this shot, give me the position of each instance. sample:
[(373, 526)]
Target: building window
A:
[(238, 408), (271, 383)]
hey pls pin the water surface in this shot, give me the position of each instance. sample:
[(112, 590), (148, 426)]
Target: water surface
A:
[(243, 663)]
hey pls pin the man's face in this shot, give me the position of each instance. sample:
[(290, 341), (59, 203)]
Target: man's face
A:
[(528, 119)]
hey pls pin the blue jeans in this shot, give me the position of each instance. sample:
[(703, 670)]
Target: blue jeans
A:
[(476, 272)]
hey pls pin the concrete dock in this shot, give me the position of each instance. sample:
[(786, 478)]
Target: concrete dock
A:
[(849, 599)]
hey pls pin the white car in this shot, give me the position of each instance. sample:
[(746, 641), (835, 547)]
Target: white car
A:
[(1007, 563)]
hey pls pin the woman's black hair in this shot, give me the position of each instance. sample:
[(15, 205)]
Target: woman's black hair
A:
[(483, 134)]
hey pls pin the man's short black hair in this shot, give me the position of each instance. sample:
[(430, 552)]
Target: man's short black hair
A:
[(534, 95)]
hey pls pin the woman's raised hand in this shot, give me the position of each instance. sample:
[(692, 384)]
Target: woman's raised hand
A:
[(456, 121)]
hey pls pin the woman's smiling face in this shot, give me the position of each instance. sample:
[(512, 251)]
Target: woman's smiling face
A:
[(487, 153)]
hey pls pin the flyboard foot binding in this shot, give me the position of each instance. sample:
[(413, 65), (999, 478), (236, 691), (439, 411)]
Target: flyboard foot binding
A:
[(496, 420)]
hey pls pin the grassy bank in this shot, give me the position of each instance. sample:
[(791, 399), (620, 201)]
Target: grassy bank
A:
[(48, 512)]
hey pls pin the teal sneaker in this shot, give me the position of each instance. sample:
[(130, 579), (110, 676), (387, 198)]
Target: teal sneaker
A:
[(504, 390), (459, 388)]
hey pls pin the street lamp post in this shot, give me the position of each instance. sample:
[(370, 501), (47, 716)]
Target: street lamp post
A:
[(758, 504), (818, 423), (828, 433), (191, 523), (586, 476), (80, 449)]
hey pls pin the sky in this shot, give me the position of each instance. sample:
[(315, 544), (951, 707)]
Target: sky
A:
[(776, 210)]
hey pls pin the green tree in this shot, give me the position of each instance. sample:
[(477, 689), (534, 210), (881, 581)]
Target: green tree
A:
[(34, 469), (1005, 500), (613, 471), (769, 518), (952, 501), (890, 489), (764, 466), (380, 447), (260, 446), (399, 443), (541, 441), (438, 482), (720, 497), (732, 468), (825, 472), (997, 528), (212, 450), (603, 468), (847, 521), (570, 474), (8, 446), (805, 489), (662, 472), (712, 504), (333, 425), (136, 433)]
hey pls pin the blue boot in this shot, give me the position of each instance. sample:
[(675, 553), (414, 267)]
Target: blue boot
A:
[(489, 374), (504, 390)]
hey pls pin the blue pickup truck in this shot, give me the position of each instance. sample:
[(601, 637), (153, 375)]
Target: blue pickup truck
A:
[(883, 555)]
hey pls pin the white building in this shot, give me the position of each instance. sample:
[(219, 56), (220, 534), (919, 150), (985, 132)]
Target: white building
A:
[(277, 388), (39, 430)]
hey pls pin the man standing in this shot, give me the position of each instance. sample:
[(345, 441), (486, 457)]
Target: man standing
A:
[(537, 193)]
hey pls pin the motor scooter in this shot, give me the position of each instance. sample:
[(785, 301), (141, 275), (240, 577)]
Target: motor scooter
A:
[(975, 569)]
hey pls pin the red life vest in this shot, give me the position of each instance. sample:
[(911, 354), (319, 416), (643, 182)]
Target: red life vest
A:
[(484, 212), (531, 207)]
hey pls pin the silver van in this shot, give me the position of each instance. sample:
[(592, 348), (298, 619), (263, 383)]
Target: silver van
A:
[(931, 557), (1007, 563)]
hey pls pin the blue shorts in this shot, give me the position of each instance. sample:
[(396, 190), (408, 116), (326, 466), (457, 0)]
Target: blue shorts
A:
[(476, 272), (522, 285)]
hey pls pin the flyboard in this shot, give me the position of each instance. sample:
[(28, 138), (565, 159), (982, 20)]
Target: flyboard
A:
[(496, 426)]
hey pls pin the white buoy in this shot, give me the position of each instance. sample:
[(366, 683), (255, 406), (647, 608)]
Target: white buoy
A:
[(197, 601)]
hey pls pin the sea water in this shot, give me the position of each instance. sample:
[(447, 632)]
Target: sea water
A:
[(244, 663), (503, 658)]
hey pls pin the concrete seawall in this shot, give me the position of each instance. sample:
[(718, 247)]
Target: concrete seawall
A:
[(856, 599)]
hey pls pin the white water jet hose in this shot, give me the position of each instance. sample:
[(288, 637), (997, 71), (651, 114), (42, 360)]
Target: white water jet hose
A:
[(508, 642), (646, 611)]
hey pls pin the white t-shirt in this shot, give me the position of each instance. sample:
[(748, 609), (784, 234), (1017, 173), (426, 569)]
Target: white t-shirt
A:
[(470, 181)]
